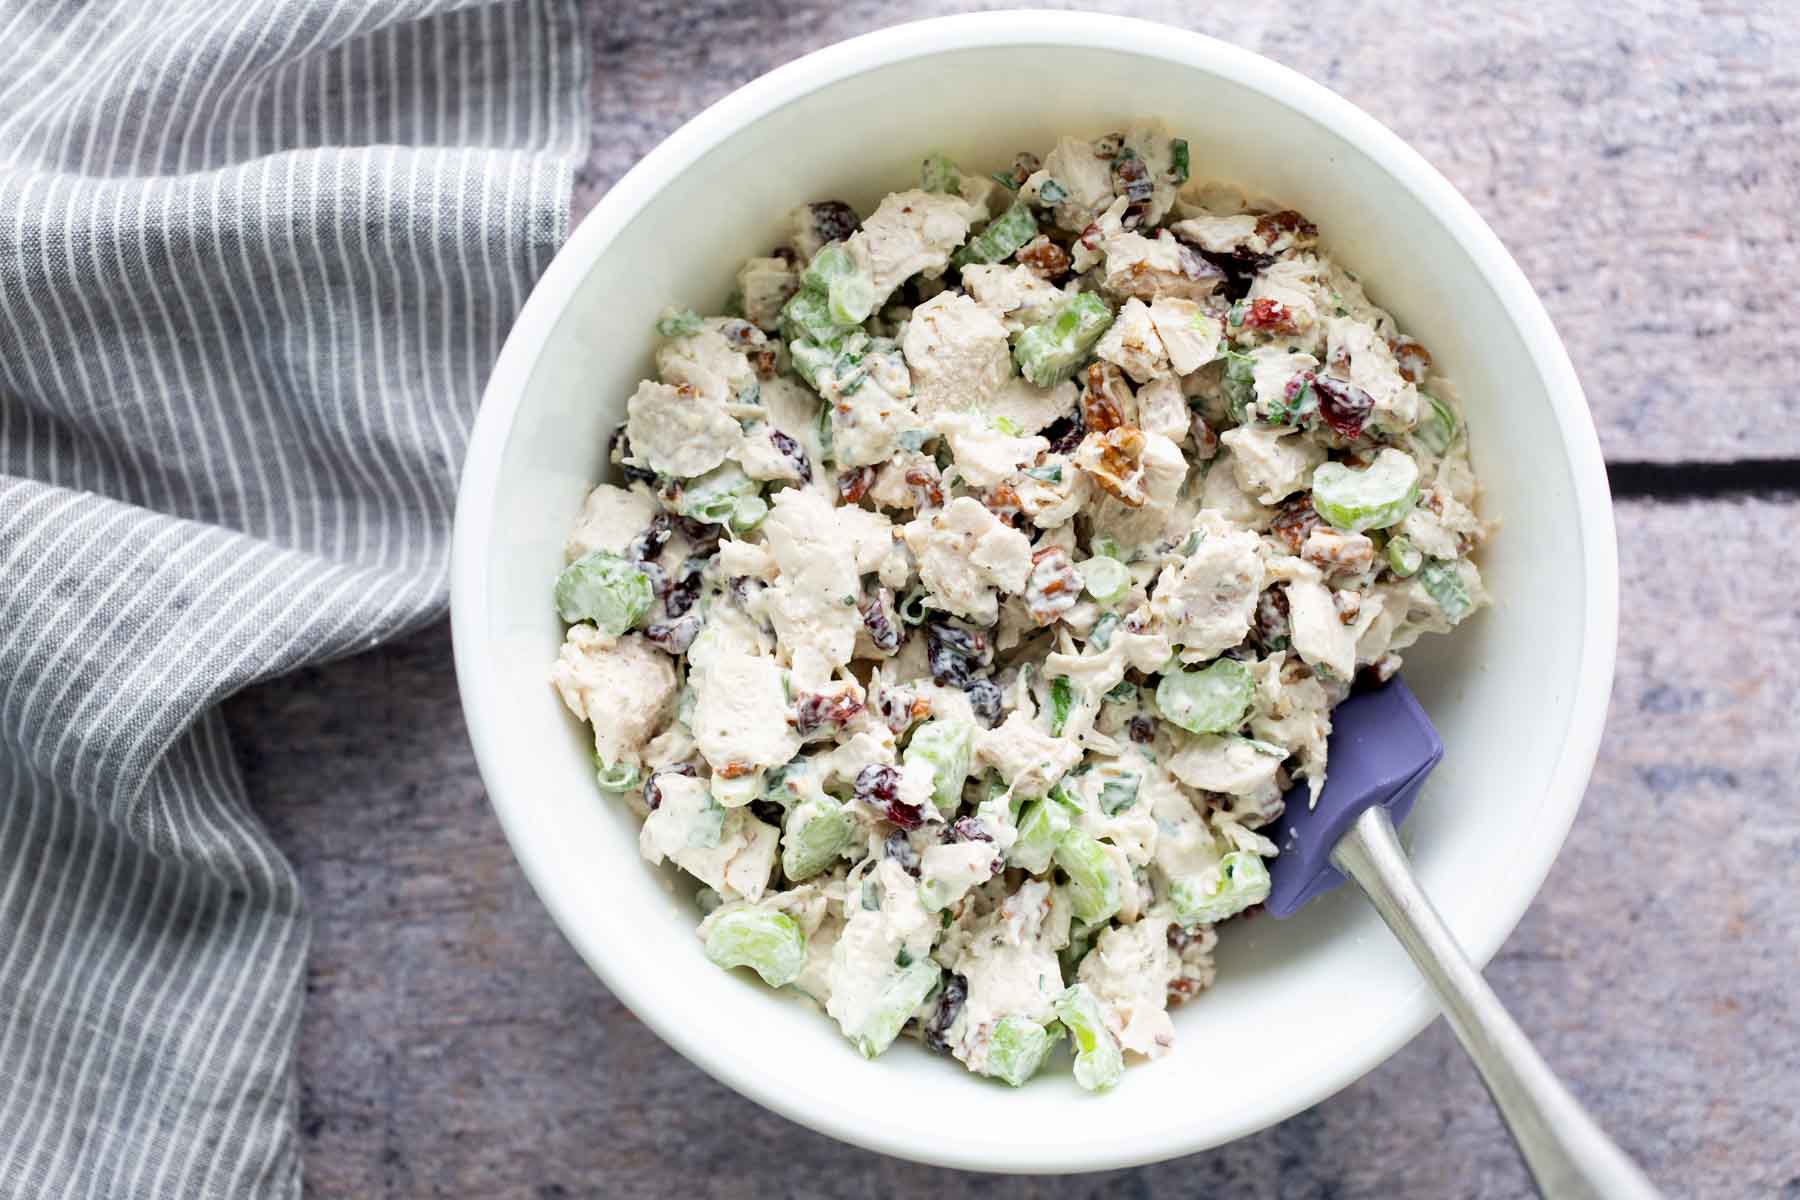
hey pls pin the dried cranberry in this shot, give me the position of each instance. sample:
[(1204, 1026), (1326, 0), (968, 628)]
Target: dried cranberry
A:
[(1295, 521), (685, 589), (675, 636), (1065, 433), (816, 710), (704, 535), (950, 1005), (1240, 269), (833, 220), (881, 620), (618, 449), (878, 786), (900, 848), (984, 699), (1343, 405), (653, 789), (1131, 179), (1142, 730), (1180, 939), (648, 544), (855, 483), (790, 450), (768, 812), (967, 829), (955, 652)]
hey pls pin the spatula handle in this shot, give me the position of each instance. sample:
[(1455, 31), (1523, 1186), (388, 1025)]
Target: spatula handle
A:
[(1569, 1156)]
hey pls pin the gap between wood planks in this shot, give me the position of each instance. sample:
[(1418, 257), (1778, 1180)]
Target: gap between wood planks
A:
[(1704, 480)]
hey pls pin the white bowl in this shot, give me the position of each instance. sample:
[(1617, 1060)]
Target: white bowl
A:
[(1301, 1007)]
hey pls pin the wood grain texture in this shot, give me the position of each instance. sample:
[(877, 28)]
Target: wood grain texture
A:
[(1640, 161), (454, 1045)]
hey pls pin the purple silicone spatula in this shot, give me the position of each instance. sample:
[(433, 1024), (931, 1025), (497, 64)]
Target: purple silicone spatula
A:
[(1382, 748)]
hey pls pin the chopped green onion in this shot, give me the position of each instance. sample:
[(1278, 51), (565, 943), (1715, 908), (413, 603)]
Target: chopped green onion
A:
[(1062, 698)]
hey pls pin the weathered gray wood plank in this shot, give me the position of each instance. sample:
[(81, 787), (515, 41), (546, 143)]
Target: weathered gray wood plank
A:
[(1640, 159), (454, 1045)]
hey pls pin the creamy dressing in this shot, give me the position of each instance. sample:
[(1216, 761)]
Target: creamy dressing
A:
[(873, 626)]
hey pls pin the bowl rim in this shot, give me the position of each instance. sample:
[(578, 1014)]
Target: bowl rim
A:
[(478, 490)]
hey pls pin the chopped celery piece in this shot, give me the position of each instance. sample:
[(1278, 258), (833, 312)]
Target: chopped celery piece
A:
[(1051, 192), (1209, 897), (807, 317), (679, 322), (1404, 558), (939, 173), (1098, 1060), (1062, 699), (1213, 699), (1106, 579), (1002, 237), (1049, 353), (606, 589), (850, 299), (769, 943), (620, 777), (1008, 426), (1016, 1049), (1437, 430), (904, 992), (947, 744), (831, 262), (714, 496), (1117, 795), (1050, 473), (1093, 886), (1041, 824), (748, 513), (817, 831), (1446, 588), (1375, 497)]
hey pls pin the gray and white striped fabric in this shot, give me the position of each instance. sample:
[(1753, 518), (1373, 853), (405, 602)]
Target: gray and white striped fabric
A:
[(256, 257)]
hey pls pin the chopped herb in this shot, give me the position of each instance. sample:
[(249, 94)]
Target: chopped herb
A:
[(1178, 160), (1049, 473), (1117, 795)]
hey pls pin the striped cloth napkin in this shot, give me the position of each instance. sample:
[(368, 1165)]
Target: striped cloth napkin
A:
[(256, 257)]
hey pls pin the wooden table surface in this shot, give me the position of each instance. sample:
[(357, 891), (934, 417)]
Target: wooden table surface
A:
[(1642, 161)]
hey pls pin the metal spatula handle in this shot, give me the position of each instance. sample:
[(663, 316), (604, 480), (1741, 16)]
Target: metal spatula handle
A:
[(1568, 1154)]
